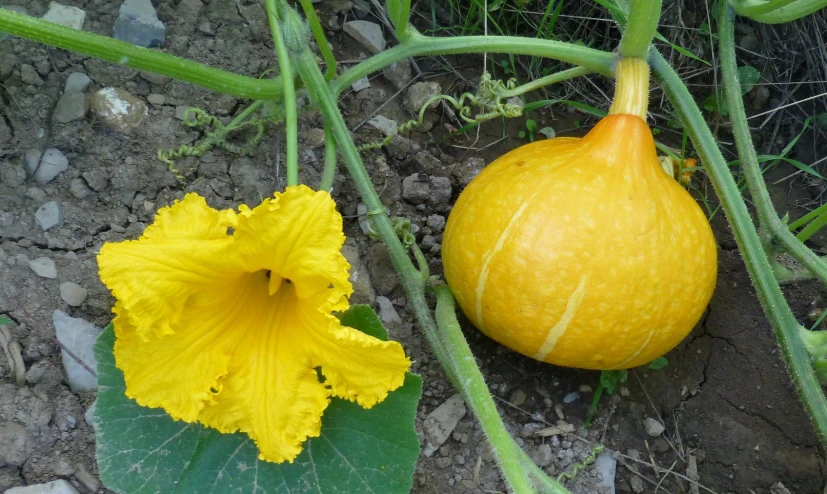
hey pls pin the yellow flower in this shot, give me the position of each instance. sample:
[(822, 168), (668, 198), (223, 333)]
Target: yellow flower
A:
[(226, 319)]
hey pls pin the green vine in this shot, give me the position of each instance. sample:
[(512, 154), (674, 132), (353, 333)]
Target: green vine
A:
[(581, 465)]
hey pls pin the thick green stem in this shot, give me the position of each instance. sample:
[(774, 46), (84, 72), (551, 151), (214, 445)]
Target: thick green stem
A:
[(128, 54), (479, 398), (548, 80), (330, 159), (788, 12), (595, 60), (291, 124), (769, 293), (321, 40), (641, 28), (767, 216), (410, 276)]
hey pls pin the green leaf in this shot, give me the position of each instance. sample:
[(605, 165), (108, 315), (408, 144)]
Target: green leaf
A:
[(5, 320), (659, 363), (531, 125), (748, 77), (821, 120), (364, 318), (143, 450)]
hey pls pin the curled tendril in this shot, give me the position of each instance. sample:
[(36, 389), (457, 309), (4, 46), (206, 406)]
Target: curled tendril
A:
[(583, 464), (488, 100), (195, 117), (402, 228)]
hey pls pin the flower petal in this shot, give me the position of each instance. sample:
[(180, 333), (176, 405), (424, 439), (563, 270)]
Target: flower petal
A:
[(272, 391), (298, 236), (184, 251)]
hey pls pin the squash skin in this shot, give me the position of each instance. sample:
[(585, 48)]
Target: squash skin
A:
[(581, 252)]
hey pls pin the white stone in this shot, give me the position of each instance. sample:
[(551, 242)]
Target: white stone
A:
[(55, 487), (89, 416), (65, 15), (387, 312), (653, 427), (384, 125), (77, 82), (51, 164), (73, 294), (78, 336), (368, 34), (43, 266), (440, 423), (606, 466), (48, 215), (361, 84)]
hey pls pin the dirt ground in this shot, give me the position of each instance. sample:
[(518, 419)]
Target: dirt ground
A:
[(725, 399)]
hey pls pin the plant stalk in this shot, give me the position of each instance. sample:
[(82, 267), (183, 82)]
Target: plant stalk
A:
[(548, 80), (410, 276), (640, 29), (789, 12), (291, 124), (767, 216), (330, 159), (749, 243)]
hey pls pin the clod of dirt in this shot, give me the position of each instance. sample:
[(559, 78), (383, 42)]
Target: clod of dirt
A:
[(381, 269), (118, 109), (439, 424), (419, 188), (467, 170)]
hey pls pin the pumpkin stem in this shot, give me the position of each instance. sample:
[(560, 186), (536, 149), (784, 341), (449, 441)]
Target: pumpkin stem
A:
[(632, 88)]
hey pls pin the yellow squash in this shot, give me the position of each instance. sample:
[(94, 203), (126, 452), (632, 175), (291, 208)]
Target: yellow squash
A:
[(582, 252)]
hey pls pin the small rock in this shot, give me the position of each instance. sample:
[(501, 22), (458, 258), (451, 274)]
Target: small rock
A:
[(653, 427), (544, 455), (55, 487), (367, 33), (606, 467), (398, 73), (363, 292), (48, 166), (36, 194), (419, 94), (156, 99), (73, 294), (44, 372), (636, 483), (158, 80), (779, 488), (440, 190), (88, 480), (439, 424), (78, 336), (361, 84), (381, 269), (314, 138), (79, 188), (65, 15), (77, 82), (436, 223), (138, 23), (468, 170), (387, 313), (518, 398), (29, 75), (70, 107), (383, 124), (571, 397), (18, 445), (48, 215), (44, 267), (118, 109), (89, 416)]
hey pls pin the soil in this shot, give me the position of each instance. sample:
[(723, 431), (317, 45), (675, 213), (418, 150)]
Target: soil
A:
[(725, 399)]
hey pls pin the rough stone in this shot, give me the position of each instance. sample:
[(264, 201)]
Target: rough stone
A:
[(79, 188), (156, 99), (54, 487), (36, 194), (70, 107), (48, 215), (468, 170), (636, 483), (381, 269), (436, 223), (314, 138), (439, 424), (367, 33), (419, 188), (29, 75), (440, 190), (606, 467), (44, 372), (385, 125), (77, 82), (118, 109), (138, 23), (544, 455), (419, 94), (653, 427), (387, 312), (78, 336), (363, 292), (73, 294), (398, 73), (46, 166), (360, 84), (65, 15), (44, 267)]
